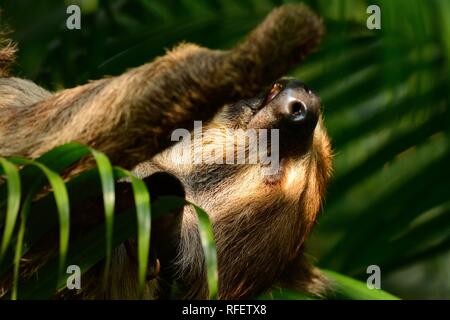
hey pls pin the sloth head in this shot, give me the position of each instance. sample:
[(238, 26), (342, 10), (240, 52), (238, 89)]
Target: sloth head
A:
[(264, 207)]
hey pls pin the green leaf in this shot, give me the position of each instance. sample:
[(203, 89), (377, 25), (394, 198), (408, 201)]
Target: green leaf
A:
[(89, 250), (347, 288), (57, 159), (143, 212), (85, 253), (14, 194), (62, 202), (62, 157), (209, 250), (19, 242), (109, 198)]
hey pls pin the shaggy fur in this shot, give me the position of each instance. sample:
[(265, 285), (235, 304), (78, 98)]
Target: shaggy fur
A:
[(7, 54), (260, 224)]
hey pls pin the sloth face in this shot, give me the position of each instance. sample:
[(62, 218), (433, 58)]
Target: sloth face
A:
[(288, 105), (260, 221), (281, 129)]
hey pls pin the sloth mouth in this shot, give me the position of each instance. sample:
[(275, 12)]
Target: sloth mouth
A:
[(257, 104), (276, 88), (269, 95)]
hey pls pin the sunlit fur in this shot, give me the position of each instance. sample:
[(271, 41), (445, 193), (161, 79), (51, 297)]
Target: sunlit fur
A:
[(260, 222)]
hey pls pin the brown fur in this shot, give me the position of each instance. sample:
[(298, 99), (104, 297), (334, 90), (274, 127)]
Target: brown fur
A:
[(260, 226), (7, 54)]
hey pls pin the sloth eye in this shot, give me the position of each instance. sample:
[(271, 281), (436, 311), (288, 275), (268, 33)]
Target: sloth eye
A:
[(274, 91)]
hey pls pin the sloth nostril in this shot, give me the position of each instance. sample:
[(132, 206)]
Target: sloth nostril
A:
[(297, 110)]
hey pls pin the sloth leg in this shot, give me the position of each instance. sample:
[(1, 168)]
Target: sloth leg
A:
[(130, 117)]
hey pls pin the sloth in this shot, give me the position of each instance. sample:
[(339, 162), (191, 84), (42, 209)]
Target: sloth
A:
[(260, 221), (256, 214)]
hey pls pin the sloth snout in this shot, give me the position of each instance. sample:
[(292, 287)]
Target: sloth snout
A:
[(299, 107), (291, 107)]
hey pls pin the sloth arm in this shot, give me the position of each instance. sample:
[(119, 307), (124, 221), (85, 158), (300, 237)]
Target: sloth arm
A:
[(130, 117)]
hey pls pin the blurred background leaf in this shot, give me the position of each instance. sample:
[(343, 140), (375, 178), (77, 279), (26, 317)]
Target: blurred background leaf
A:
[(386, 105)]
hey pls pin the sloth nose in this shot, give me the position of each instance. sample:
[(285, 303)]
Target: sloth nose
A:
[(299, 106), (296, 110)]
